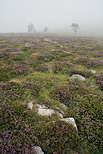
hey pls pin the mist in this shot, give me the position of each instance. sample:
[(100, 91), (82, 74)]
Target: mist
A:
[(58, 15)]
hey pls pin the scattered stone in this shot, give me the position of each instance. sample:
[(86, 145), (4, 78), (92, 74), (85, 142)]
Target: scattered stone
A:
[(93, 71), (63, 106), (27, 44), (89, 48), (37, 150), (30, 105), (46, 40), (43, 110), (70, 121), (77, 77), (54, 42)]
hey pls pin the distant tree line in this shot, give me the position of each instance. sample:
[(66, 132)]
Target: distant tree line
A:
[(32, 29)]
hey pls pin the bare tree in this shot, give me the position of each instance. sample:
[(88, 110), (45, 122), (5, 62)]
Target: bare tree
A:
[(46, 29), (31, 28), (75, 27)]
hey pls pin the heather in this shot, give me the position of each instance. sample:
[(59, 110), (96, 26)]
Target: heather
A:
[(37, 68), (99, 80)]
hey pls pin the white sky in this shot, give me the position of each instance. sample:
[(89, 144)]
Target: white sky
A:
[(15, 15)]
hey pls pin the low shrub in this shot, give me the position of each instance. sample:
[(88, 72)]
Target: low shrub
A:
[(16, 135), (99, 80), (41, 68), (58, 137), (62, 94), (12, 91)]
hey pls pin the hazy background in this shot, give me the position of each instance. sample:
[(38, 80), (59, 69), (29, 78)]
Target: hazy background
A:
[(58, 15)]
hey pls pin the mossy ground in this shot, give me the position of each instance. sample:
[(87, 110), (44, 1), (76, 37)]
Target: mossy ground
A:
[(40, 73)]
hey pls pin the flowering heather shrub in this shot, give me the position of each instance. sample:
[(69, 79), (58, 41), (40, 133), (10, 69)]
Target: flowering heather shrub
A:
[(41, 68), (83, 61), (58, 136), (89, 63), (89, 48), (62, 94), (45, 58), (11, 91), (16, 56), (76, 87), (12, 50), (57, 68), (95, 63), (27, 62), (71, 93), (98, 54), (33, 87), (28, 49), (6, 74), (39, 46), (62, 67), (22, 128), (63, 54), (9, 72), (15, 141), (21, 68), (16, 135), (11, 56), (3, 46), (88, 114), (99, 80)]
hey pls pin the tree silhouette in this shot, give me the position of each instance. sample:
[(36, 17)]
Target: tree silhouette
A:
[(31, 28), (46, 29), (75, 27)]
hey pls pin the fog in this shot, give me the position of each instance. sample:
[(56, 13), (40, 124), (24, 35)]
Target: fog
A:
[(58, 15)]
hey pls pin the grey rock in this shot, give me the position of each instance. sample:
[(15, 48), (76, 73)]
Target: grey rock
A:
[(47, 40), (93, 71), (37, 150), (44, 111), (30, 105), (70, 121), (63, 106), (27, 44), (77, 77)]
